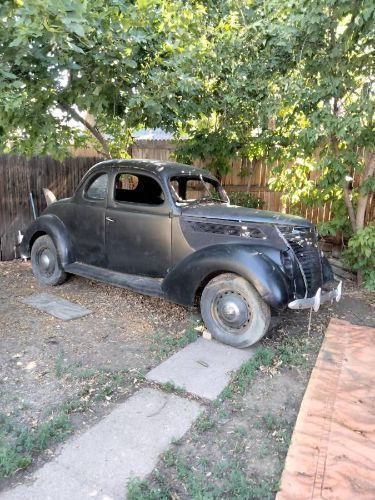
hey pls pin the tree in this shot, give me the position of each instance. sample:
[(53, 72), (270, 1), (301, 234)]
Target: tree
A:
[(325, 115), (91, 61)]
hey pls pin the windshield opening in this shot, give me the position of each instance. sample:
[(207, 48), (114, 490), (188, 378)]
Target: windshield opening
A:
[(187, 190)]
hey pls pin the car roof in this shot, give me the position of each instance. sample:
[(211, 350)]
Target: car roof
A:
[(158, 167)]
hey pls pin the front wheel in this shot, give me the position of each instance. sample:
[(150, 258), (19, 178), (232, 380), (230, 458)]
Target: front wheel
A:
[(45, 262), (233, 311)]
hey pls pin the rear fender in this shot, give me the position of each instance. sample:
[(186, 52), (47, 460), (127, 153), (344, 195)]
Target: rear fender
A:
[(182, 283), (51, 225)]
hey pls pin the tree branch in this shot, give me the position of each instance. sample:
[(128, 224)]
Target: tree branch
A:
[(93, 130)]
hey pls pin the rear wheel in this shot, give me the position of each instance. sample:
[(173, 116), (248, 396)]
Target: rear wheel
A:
[(233, 311), (45, 262)]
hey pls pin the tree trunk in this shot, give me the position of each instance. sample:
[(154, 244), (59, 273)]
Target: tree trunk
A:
[(92, 129), (349, 205), (362, 202)]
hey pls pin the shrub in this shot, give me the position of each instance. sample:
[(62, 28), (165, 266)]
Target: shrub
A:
[(361, 254), (244, 199)]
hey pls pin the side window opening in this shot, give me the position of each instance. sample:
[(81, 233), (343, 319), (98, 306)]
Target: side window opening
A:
[(138, 188), (97, 190)]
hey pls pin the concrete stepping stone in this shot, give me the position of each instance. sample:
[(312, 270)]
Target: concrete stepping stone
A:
[(202, 368), (98, 463), (56, 306)]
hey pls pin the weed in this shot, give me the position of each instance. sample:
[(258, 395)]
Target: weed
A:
[(59, 364), (224, 416), (171, 387), (291, 352), (205, 423), (240, 486), (245, 375), (48, 432), (176, 441), (204, 462), (86, 374), (6, 425), (11, 460), (239, 446), (109, 382), (103, 393), (23, 442), (25, 439), (169, 458), (141, 374), (240, 431), (164, 344), (263, 450), (222, 467), (141, 490), (226, 393), (269, 422), (74, 406)]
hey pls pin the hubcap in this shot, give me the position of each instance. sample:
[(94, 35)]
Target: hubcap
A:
[(232, 310), (46, 262)]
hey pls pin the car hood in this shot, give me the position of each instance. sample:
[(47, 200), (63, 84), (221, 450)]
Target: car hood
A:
[(242, 214)]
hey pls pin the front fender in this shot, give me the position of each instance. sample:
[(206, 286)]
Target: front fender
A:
[(51, 225), (251, 262)]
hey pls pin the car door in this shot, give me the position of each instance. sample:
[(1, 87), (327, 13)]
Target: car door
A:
[(87, 220), (137, 225)]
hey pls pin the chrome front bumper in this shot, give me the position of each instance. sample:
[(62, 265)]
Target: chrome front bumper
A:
[(319, 298)]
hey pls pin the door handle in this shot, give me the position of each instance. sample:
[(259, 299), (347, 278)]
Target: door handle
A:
[(109, 219)]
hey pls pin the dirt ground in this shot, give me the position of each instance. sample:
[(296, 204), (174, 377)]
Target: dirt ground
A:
[(34, 345), (92, 362)]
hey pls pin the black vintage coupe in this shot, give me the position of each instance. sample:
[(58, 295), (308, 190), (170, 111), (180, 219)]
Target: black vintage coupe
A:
[(169, 230)]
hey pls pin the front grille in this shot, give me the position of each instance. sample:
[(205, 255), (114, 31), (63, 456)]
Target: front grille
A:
[(304, 244), (239, 230)]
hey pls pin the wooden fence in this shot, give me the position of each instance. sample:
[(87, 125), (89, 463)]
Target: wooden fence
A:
[(19, 177)]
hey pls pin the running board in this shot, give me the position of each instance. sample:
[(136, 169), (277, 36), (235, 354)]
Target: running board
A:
[(140, 284)]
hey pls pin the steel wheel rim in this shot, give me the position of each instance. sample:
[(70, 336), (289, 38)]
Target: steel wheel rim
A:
[(46, 261), (231, 311)]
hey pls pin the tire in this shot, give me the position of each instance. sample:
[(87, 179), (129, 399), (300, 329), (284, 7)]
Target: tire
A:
[(45, 262), (233, 311)]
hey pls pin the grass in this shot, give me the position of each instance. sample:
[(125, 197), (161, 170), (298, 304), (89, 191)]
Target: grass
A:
[(270, 422), (164, 344), (205, 423), (292, 352), (242, 379), (171, 387), (227, 481), (141, 490), (60, 369), (19, 444)]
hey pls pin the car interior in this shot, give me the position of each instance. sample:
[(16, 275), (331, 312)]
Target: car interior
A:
[(137, 188)]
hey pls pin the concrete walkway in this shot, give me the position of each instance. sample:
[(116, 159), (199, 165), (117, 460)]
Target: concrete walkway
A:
[(127, 443), (202, 368)]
